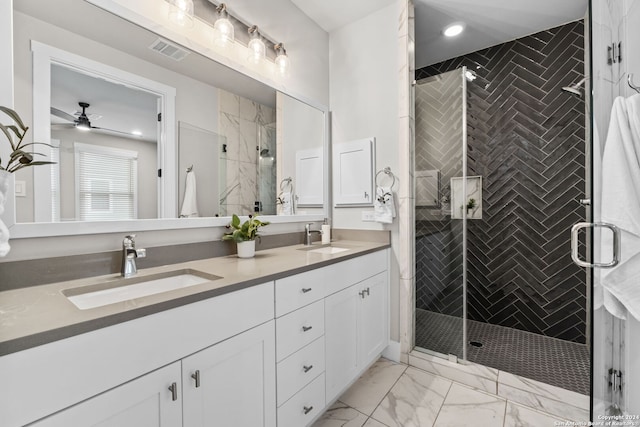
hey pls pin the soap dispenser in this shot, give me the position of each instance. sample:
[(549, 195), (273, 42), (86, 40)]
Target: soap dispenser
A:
[(326, 232)]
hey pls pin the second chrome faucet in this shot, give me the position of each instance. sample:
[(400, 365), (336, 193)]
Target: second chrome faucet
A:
[(129, 255), (307, 234)]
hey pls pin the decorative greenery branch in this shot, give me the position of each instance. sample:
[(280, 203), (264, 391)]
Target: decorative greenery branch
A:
[(19, 158)]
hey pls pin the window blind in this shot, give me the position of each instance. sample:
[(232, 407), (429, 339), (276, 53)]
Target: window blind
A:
[(106, 183)]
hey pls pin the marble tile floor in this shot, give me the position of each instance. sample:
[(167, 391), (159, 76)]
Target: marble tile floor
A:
[(396, 395)]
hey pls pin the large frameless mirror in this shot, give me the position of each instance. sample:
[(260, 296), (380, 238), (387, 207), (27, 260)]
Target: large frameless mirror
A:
[(135, 119)]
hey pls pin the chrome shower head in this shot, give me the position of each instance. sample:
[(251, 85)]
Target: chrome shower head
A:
[(575, 89)]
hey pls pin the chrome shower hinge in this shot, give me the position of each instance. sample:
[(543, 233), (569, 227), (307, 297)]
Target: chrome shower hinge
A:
[(614, 53), (615, 380)]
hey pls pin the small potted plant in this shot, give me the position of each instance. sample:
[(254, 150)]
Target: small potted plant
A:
[(19, 158), (244, 234)]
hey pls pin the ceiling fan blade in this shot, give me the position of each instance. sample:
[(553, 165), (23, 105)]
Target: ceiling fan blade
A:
[(128, 134), (63, 125), (65, 116)]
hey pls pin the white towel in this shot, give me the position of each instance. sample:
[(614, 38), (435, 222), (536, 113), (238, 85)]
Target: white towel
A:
[(621, 207), (4, 231), (384, 207), (286, 203), (190, 204)]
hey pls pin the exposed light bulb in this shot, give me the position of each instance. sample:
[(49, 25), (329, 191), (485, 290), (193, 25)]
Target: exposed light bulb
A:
[(283, 64), (136, 133), (453, 30), (181, 12), (223, 31), (257, 48), (83, 127)]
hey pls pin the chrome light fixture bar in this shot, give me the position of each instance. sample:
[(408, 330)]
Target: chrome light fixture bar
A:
[(228, 28)]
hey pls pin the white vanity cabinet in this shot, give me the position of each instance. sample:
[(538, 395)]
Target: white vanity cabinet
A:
[(230, 336), (143, 402), (300, 347), (232, 383), (357, 331), (332, 324), (229, 384), (273, 354)]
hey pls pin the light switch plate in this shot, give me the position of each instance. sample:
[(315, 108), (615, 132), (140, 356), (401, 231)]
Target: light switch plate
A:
[(368, 216), (20, 189)]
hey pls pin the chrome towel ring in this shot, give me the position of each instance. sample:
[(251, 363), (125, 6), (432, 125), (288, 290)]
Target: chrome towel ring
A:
[(386, 171)]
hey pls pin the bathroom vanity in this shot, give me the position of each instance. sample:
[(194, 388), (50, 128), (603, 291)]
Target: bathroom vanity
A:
[(273, 341)]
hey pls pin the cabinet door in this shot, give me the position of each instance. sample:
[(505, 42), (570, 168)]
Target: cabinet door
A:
[(373, 318), (341, 340), (353, 172), (232, 383), (143, 402)]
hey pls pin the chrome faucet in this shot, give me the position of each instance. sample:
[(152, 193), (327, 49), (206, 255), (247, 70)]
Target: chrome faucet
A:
[(129, 255), (307, 234)]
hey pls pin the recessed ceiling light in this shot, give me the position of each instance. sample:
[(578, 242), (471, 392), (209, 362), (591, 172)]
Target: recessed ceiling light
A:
[(136, 133), (453, 30)]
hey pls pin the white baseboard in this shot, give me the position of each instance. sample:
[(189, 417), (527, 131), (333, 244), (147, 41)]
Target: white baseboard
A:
[(392, 352)]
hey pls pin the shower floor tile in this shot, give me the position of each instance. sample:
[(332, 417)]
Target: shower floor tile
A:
[(549, 360)]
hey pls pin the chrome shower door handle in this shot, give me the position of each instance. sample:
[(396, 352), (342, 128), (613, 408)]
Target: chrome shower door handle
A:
[(574, 244)]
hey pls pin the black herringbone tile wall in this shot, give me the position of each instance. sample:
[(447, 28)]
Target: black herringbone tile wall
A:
[(526, 138)]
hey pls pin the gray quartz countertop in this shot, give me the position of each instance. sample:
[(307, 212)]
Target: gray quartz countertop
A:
[(42, 314)]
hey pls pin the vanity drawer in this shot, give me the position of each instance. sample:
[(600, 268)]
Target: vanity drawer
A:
[(303, 407), (346, 273), (297, 291), (297, 370), (297, 329)]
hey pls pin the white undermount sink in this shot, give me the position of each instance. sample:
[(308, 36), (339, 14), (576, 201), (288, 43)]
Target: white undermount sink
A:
[(330, 250), (119, 290)]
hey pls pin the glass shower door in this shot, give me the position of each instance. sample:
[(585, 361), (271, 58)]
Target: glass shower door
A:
[(440, 189)]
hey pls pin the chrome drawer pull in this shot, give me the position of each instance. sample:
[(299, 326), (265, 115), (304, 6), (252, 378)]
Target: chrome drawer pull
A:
[(364, 291), (196, 376), (305, 290), (307, 409), (173, 388), (307, 368), (306, 328)]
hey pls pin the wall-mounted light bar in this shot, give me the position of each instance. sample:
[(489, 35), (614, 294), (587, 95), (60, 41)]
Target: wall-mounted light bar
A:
[(261, 48)]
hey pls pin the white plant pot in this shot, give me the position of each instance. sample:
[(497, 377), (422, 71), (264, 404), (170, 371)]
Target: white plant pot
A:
[(247, 249), (5, 178)]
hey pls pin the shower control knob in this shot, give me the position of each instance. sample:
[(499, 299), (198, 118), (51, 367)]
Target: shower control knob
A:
[(585, 202)]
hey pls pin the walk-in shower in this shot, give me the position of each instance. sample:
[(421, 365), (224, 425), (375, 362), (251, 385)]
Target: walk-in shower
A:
[(499, 174)]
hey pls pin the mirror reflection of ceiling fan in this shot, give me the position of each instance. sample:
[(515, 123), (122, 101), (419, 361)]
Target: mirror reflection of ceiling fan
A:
[(82, 122)]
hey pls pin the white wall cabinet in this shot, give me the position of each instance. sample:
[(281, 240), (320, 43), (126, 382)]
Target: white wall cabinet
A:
[(353, 172), (356, 331), (143, 402)]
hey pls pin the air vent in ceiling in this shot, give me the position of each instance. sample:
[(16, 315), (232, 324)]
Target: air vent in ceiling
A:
[(169, 49)]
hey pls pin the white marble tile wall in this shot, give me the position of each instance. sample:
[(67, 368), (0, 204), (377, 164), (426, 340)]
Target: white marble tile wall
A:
[(406, 147), (240, 122)]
